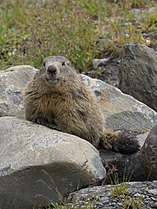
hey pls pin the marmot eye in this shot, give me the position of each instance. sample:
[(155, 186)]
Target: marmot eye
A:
[(65, 63), (44, 64)]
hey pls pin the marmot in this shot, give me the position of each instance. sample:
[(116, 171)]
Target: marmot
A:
[(58, 98)]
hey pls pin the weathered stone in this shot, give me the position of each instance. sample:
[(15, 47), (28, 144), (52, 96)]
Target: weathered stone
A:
[(36, 163), (138, 73), (148, 154), (12, 82), (121, 111)]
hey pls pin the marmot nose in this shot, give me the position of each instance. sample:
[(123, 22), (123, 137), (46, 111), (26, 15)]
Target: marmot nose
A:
[(51, 69)]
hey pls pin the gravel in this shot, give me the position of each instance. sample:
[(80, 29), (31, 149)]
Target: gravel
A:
[(139, 195)]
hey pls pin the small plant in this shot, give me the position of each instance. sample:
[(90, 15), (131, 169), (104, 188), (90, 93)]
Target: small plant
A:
[(119, 189), (132, 203)]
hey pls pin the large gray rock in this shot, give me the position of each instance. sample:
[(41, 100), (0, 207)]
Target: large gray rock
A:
[(121, 112), (36, 163), (12, 82), (138, 73)]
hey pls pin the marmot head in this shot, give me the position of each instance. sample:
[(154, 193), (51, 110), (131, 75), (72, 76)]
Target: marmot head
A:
[(56, 69)]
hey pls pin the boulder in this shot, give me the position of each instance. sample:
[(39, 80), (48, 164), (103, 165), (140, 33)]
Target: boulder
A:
[(121, 112), (39, 165), (12, 82), (138, 73)]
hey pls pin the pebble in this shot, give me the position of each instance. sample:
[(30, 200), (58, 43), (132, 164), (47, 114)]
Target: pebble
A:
[(104, 199), (153, 191), (139, 195), (99, 62)]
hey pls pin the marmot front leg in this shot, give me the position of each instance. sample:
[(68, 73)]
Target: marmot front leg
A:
[(45, 123)]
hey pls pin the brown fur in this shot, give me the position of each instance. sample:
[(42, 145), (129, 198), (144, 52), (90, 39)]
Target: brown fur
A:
[(59, 99)]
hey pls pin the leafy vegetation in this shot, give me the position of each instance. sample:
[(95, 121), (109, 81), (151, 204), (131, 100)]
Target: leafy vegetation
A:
[(76, 29)]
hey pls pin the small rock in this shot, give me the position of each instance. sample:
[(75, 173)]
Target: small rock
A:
[(104, 200), (153, 191), (154, 205), (99, 62), (139, 195)]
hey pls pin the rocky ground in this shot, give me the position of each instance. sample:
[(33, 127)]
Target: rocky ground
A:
[(133, 195)]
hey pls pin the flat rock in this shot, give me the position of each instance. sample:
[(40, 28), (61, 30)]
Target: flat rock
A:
[(37, 163), (138, 73)]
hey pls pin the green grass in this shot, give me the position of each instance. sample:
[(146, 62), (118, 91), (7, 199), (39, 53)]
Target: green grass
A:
[(30, 31), (119, 189)]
